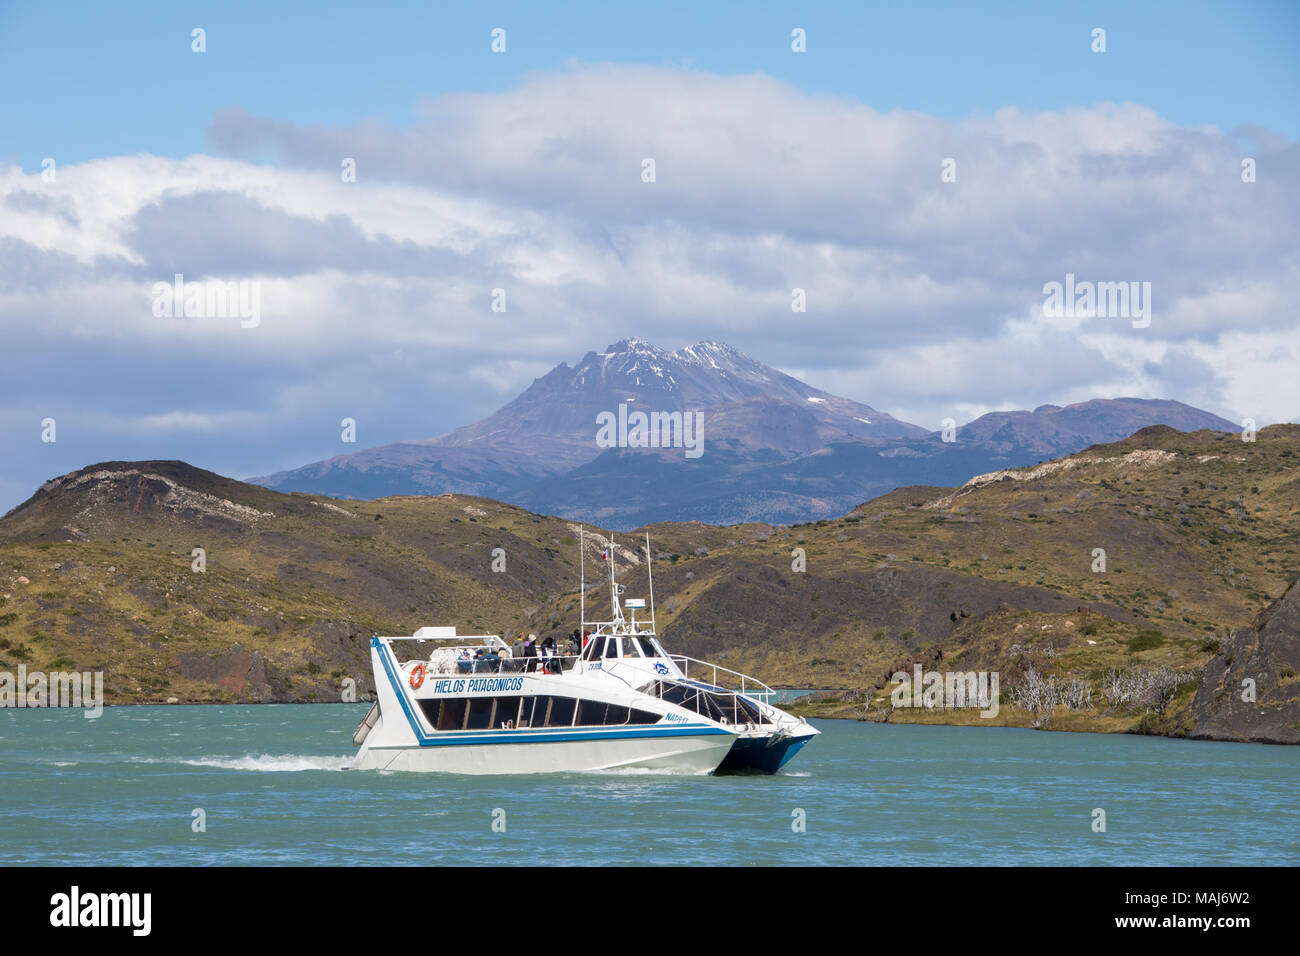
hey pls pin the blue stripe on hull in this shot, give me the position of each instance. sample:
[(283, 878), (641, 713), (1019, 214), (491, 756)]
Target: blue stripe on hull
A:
[(453, 738)]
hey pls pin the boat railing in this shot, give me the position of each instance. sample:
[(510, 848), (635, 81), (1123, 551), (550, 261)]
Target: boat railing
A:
[(480, 658), (749, 686), (718, 703)]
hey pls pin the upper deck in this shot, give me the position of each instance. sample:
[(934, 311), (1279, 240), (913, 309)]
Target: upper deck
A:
[(634, 656)]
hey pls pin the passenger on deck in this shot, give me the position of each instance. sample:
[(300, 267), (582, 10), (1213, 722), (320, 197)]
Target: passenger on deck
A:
[(515, 661), (530, 653)]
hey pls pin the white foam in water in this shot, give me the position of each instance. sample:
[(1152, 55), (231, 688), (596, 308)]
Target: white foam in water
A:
[(286, 763), (649, 772)]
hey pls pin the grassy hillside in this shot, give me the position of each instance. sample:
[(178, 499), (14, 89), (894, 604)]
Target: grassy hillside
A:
[(294, 585), (1201, 533)]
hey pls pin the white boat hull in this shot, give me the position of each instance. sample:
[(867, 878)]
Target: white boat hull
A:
[(698, 753)]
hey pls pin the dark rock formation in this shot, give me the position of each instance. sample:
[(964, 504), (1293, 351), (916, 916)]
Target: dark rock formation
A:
[(237, 671), (1269, 654)]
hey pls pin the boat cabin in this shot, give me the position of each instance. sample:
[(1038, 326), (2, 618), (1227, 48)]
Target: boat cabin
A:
[(624, 646)]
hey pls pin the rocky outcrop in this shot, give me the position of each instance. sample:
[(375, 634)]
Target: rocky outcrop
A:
[(338, 652), (238, 671), (1267, 654)]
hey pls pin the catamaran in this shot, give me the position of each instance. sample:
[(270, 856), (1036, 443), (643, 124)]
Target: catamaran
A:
[(470, 705)]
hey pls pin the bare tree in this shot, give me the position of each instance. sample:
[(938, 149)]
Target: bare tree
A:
[(1037, 694), (1144, 688)]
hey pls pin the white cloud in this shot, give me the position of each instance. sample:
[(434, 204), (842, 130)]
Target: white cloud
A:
[(923, 297)]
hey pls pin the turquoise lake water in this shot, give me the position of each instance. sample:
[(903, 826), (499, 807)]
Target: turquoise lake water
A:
[(270, 778)]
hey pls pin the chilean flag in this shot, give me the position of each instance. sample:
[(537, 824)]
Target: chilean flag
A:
[(604, 555)]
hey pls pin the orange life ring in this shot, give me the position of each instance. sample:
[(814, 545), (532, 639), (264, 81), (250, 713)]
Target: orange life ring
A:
[(417, 676)]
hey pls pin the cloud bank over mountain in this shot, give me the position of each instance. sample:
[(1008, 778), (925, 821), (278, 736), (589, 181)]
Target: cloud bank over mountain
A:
[(924, 298)]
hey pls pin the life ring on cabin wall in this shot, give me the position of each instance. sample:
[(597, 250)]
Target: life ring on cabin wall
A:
[(417, 676)]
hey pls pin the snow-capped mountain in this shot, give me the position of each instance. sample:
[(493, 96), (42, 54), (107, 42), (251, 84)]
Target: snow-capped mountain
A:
[(772, 448), (742, 399)]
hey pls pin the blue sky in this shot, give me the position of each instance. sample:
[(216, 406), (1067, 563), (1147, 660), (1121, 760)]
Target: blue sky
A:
[(85, 80), (522, 171)]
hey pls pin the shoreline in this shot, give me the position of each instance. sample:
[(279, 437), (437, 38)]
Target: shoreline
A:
[(1057, 730), (1127, 731), (1170, 726)]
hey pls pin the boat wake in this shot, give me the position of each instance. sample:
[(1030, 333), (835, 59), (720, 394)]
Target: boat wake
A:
[(649, 772), (284, 763)]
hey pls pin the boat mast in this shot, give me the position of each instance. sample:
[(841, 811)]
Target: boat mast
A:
[(582, 593), (613, 585), (650, 575)]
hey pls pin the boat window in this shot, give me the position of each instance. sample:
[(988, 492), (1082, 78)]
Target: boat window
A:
[(507, 710), (630, 648), (430, 708), (719, 705), (677, 693), (716, 705), (611, 647), (595, 648), (488, 713), (591, 712), (480, 713), (639, 716), (562, 709), (452, 715), (647, 647)]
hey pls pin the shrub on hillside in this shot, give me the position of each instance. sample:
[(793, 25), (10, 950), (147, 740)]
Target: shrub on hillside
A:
[(1147, 639)]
